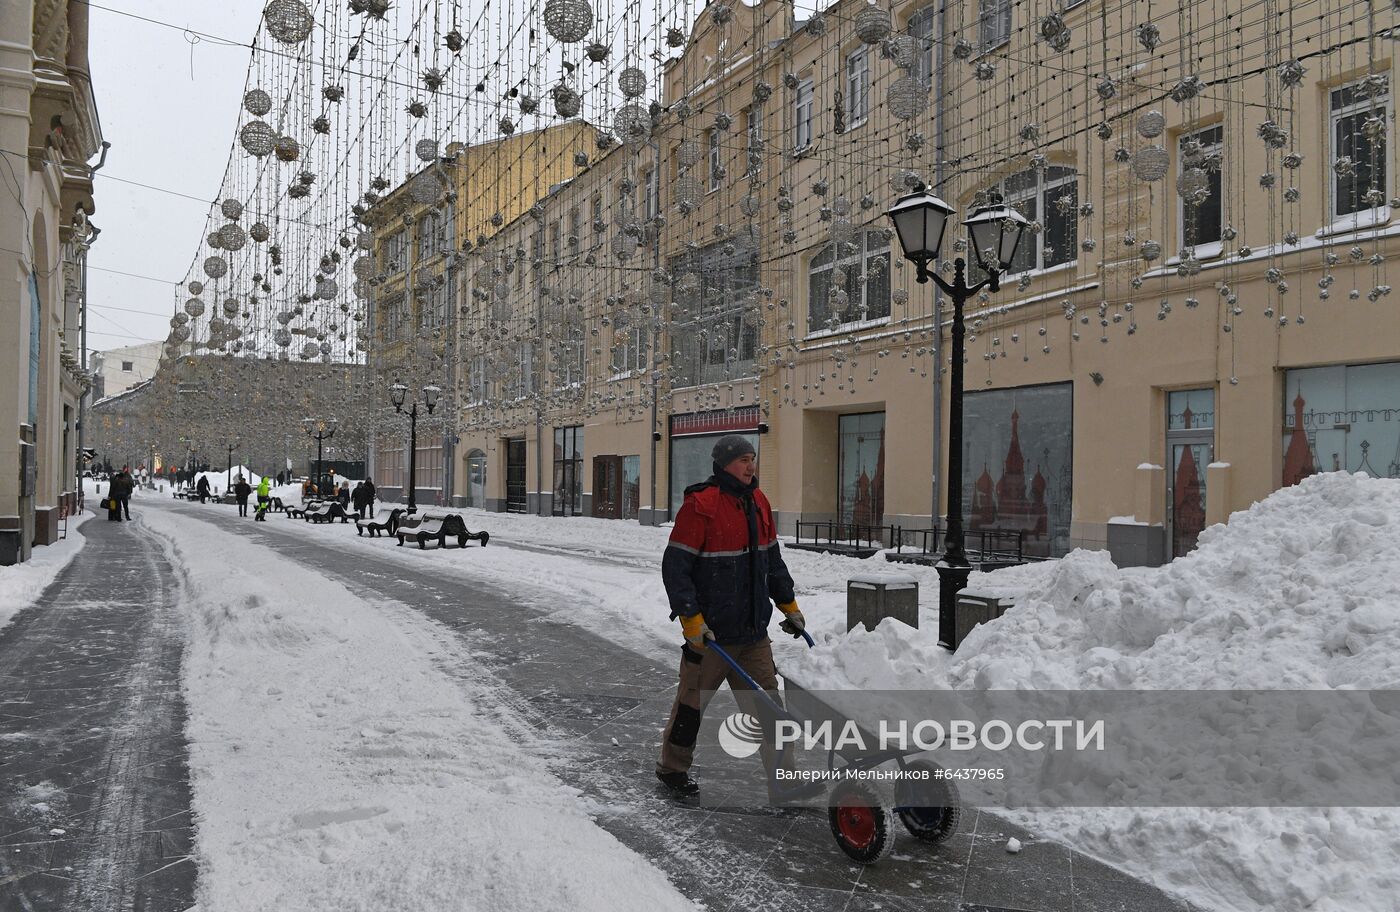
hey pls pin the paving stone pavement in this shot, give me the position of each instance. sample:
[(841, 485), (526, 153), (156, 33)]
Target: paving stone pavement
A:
[(606, 706), (94, 786)]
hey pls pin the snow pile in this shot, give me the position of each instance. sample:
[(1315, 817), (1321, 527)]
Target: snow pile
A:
[(223, 479), (1301, 591), (22, 584), (340, 762)]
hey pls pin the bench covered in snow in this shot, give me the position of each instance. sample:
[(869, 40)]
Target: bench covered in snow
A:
[(389, 525), (325, 511), (423, 527)]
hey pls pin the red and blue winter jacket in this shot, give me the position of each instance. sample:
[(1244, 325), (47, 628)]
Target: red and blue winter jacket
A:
[(709, 566)]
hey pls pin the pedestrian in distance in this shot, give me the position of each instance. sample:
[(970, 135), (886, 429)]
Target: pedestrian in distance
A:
[(241, 492), (122, 487), (202, 488), (343, 495), (723, 571), (368, 488), (357, 500), (264, 499)]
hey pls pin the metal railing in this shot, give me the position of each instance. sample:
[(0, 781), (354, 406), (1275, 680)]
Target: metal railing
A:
[(982, 545), (844, 534)]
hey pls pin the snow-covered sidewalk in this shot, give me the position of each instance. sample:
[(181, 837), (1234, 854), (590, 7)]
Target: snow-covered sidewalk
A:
[(21, 584), (337, 765)]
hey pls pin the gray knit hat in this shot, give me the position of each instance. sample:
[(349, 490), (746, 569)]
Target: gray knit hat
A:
[(730, 448)]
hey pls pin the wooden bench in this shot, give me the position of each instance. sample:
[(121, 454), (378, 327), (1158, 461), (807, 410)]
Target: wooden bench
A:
[(325, 511), (427, 526), (389, 525), (300, 512)]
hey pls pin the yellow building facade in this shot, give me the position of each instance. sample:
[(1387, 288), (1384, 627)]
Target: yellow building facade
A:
[(1197, 317)]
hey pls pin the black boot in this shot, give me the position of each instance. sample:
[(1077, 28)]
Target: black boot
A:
[(679, 784)]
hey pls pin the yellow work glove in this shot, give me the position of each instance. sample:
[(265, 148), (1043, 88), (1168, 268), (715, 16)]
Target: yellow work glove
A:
[(696, 631), (793, 621)]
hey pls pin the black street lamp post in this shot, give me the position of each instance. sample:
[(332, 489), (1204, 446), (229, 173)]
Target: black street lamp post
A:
[(921, 219), (320, 429), (228, 476), (398, 393)]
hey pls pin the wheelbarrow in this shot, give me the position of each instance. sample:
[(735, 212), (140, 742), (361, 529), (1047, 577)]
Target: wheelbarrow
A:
[(861, 823)]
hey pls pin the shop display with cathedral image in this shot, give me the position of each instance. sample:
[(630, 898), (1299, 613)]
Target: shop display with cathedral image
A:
[(1014, 491), (1342, 418)]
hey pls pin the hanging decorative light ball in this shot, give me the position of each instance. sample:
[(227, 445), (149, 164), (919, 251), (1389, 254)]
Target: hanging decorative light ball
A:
[(215, 267), (507, 126), (426, 149), (417, 108), (568, 20), (332, 93), (231, 208), (424, 188), (901, 50), (230, 307), (1151, 124), (289, 21), (257, 102), (1055, 32), (816, 25), (597, 52), (287, 149), (529, 104), (454, 41), (566, 101), (433, 79), (674, 37), (232, 237), (872, 24), (257, 138), (215, 240), (906, 98), (1149, 36), (1150, 163), (632, 82), (195, 287), (194, 307), (632, 125)]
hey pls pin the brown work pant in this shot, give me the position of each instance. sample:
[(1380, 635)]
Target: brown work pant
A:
[(701, 674)]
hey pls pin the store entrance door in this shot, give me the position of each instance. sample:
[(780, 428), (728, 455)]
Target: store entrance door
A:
[(607, 487), (517, 500)]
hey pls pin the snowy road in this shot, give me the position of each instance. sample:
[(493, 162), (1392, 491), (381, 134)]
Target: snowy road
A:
[(94, 787), (600, 707)]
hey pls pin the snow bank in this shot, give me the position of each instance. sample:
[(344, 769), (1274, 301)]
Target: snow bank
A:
[(1301, 591), (337, 765), (22, 584)]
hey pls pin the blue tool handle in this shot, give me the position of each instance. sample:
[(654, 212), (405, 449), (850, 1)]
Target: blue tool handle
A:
[(753, 685)]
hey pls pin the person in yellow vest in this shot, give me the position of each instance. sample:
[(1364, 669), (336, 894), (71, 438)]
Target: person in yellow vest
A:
[(264, 501)]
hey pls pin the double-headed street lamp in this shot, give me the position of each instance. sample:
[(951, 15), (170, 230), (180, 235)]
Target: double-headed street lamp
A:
[(228, 478), (321, 429), (921, 220), (399, 392)]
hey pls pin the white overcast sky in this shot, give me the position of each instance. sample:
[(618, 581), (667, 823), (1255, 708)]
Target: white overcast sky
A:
[(170, 124)]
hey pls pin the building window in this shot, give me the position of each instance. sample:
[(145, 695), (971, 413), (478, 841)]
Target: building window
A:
[(479, 379), (857, 88), (921, 29), (802, 116), (755, 141), (554, 245), (575, 228), (524, 384), (850, 284), (394, 252), (429, 235), (1201, 215), (994, 17), (128, 367), (714, 160), (1360, 139), (1050, 197), (652, 191), (713, 338), (598, 222), (629, 347)]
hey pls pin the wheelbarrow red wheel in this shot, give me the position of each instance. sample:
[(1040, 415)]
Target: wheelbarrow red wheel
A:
[(928, 807), (863, 828)]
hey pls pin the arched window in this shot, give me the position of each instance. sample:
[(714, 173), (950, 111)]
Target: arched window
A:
[(849, 285), (1050, 198)]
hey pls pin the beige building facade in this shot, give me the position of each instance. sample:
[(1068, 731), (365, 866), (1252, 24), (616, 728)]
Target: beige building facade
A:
[(48, 131), (1197, 316), (119, 369)]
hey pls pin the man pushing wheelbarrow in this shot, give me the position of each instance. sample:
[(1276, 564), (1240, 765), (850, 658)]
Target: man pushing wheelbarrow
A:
[(723, 571)]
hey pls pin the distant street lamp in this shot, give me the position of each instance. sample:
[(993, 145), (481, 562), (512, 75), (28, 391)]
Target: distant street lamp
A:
[(921, 220), (398, 393), (320, 429), (228, 478)]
